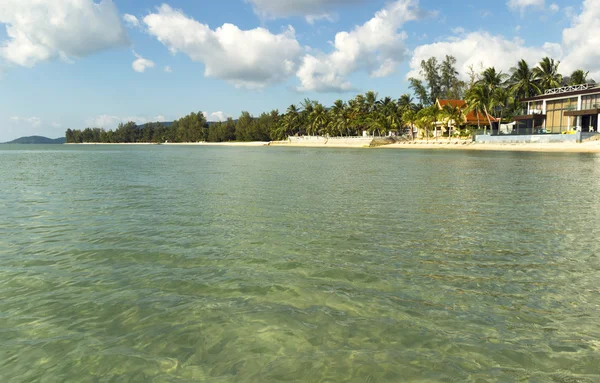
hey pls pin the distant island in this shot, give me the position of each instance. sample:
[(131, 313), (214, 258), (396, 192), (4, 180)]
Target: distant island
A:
[(38, 140)]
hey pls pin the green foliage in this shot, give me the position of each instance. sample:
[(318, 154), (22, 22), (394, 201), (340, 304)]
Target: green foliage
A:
[(488, 93)]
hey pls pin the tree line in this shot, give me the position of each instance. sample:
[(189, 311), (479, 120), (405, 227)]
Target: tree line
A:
[(488, 93)]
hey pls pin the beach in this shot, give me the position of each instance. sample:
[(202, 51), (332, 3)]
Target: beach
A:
[(586, 147), (565, 147)]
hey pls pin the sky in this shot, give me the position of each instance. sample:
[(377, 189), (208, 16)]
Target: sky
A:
[(96, 63)]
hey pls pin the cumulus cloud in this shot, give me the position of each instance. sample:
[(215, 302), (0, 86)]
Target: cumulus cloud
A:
[(246, 58), (582, 39), (131, 20), (376, 46), (219, 116), (480, 50), (141, 64), (522, 5), (43, 30), (554, 7), (32, 121), (168, 69), (312, 10)]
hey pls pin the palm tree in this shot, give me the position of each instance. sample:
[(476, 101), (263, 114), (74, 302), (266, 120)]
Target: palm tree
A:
[(426, 117), (476, 100), (491, 79), (290, 123), (409, 117), (406, 102), (454, 116), (340, 118), (319, 118), (578, 77), (308, 106), (547, 75), (523, 82), (501, 99), (370, 101)]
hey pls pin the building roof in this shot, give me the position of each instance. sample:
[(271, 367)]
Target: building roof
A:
[(566, 92), (472, 118)]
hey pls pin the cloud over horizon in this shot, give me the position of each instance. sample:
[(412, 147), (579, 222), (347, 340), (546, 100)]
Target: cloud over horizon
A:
[(246, 58), (41, 31)]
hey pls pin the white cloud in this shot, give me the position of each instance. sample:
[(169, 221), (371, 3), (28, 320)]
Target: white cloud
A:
[(218, 116), (522, 5), (581, 41), (111, 122), (312, 10), (56, 125), (458, 30), (480, 49), (168, 69), (205, 114), (44, 30), (577, 50), (554, 7), (141, 64), (376, 46), (33, 121), (131, 20), (246, 58)]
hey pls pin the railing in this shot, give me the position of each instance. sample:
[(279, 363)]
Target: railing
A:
[(571, 88)]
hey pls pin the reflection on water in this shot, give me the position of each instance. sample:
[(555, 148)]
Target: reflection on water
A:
[(276, 264)]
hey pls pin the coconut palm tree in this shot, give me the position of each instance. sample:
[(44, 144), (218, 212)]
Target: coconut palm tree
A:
[(319, 118), (547, 75), (308, 107), (501, 99), (477, 100), (370, 101), (523, 82), (454, 116), (290, 123), (578, 77), (340, 117), (491, 79), (409, 117), (426, 117)]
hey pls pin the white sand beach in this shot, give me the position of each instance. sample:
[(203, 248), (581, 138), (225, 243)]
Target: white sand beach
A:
[(586, 147)]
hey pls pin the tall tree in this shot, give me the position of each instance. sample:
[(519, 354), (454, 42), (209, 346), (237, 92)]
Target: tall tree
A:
[(419, 90), (523, 82), (578, 77), (319, 119), (454, 117), (547, 75), (451, 86), (430, 70), (476, 100)]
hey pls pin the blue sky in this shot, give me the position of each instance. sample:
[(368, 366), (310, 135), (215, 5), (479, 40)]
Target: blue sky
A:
[(78, 63)]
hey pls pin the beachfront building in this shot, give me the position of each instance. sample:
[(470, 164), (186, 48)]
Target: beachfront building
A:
[(471, 118), (561, 110)]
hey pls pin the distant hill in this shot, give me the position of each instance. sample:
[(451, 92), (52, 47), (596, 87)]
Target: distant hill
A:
[(38, 140)]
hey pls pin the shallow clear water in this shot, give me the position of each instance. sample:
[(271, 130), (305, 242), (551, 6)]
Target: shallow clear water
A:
[(184, 264)]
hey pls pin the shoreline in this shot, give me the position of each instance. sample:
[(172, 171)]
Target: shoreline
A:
[(253, 143), (586, 147)]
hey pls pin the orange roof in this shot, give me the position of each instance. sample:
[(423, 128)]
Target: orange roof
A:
[(471, 117)]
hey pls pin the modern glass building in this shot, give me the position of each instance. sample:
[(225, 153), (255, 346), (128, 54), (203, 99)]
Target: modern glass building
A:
[(562, 110)]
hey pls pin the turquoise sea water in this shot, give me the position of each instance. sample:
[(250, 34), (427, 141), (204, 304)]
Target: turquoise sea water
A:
[(214, 264)]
